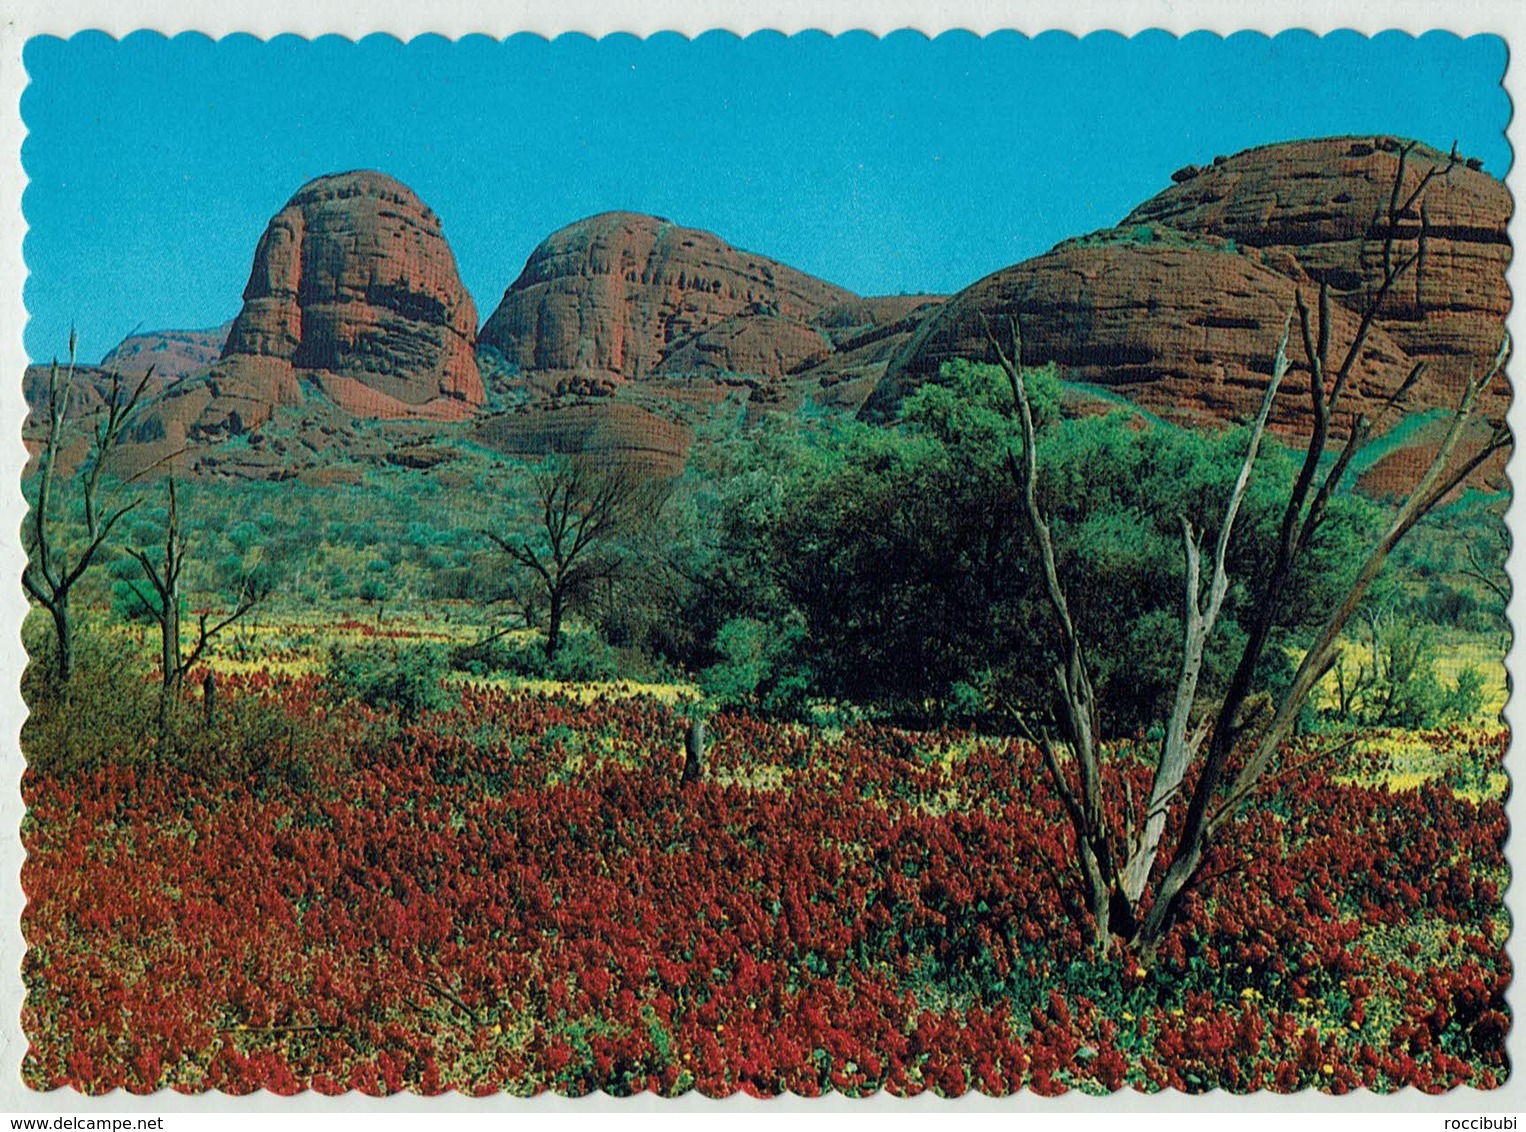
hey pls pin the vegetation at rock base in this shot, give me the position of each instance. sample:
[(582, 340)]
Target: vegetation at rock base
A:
[(839, 903)]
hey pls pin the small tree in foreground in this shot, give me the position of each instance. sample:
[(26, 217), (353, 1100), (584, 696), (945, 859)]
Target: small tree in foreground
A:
[(52, 571), (163, 603), (1116, 847)]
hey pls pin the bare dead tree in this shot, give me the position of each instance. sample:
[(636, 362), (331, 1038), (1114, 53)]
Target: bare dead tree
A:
[(52, 571), (694, 751), (1119, 896), (163, 603), (581, 512), (1490, 575)]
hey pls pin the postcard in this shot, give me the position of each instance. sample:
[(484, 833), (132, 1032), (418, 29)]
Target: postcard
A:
[(776, 565)]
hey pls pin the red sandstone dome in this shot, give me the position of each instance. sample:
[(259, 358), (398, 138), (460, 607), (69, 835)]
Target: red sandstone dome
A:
[(1184, 327), (627, 295), (1181, 306), (354, 289), (1324, 203), (354, 279)]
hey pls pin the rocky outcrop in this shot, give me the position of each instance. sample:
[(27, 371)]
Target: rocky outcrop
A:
[(1324, 203), (89, 393), (174, 354), (171, 355), (1398, 467), (627, 327), (865, 334), (623, 296), (1180, 307), (354, 277), (613, 431), (757, 341), (353, 292), (1184, 327)]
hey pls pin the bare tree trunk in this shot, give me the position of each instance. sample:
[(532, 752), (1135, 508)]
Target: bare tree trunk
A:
[(1078, 704), (49, 576), (554, 625), (1113, 896), (209, 700), (164, 579), (63, 629), (169, 641), (1206, 816), (169, 630), (1178, 748), (694, 752)]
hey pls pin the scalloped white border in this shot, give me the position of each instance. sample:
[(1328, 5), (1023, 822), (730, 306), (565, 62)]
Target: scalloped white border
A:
[(22, 19)]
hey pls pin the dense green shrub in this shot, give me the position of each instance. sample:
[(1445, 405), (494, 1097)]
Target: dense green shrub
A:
[(108, 712), (408, 681), (582, 656), (1464, 701), (901, 556), (761, 669), (485, 658)]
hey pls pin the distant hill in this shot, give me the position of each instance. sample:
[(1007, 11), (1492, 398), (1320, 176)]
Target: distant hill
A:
[(174, 354)]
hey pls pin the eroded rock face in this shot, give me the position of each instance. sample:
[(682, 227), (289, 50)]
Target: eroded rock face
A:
[(1180, 307), (628, 295), (609, 431), (866, 334), (354, 277), (89, 396), (1396, 472), (1186, 328), (1324, 202), (354, 291), (174, 354)]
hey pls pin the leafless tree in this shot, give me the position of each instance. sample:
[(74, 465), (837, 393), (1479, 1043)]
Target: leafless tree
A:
[(163, 603), (582, 511), (1117, 850), (53, 568), (1489, 570)]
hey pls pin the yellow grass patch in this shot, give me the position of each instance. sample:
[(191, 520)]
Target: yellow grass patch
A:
[(1453, 656), (586, 691), (1408, 760)]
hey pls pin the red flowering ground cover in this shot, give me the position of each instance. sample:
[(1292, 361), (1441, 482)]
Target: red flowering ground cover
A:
[(518, 895)]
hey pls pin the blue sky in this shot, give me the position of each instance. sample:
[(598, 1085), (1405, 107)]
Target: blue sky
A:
[(884, 165)]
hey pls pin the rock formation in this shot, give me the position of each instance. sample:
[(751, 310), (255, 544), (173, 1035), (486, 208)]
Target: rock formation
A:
[(1180, 308), (174, 354), (1324, 203), (354, 290), (614, 431), (626, 295), (865, 335), (628, 328), (1185, 328), (353, 278)]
